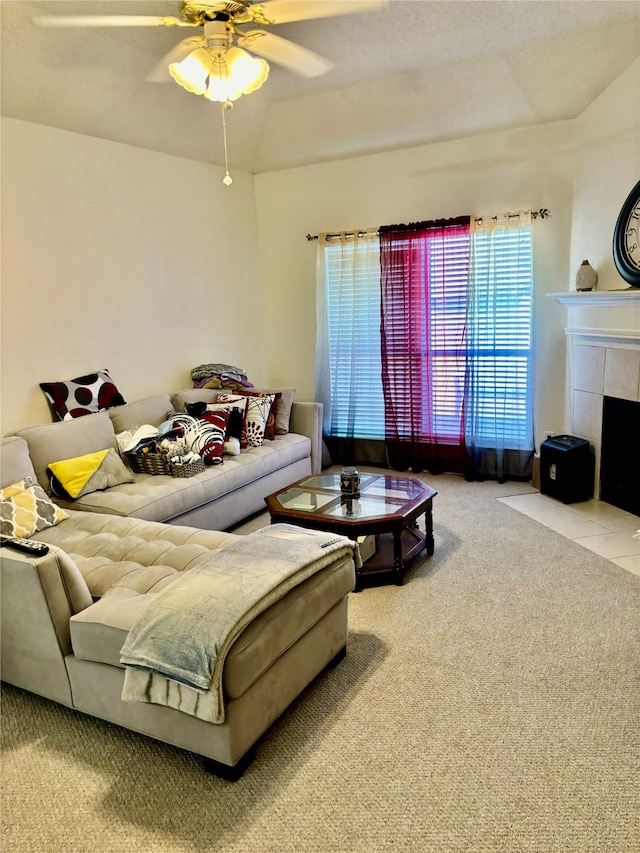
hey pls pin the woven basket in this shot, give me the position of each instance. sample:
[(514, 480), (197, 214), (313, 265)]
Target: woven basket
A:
[(157, 463), (188, 470), (149, 463)]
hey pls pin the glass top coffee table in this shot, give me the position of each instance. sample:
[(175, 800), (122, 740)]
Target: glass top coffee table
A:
[(387, 507)]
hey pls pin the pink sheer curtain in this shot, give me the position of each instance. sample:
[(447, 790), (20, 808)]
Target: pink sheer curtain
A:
[(424, 284)]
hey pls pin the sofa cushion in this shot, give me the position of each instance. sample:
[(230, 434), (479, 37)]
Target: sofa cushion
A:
[(151, 410), (15, 462), (25, 509), (84, 395), (162, 498), (285, 403), (66, 439), (179, 399), (128, 553)]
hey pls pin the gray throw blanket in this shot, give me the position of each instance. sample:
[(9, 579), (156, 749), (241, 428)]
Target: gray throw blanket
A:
[(175, 652)]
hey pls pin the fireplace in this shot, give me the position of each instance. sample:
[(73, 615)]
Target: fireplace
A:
[(620, 454), (603, 360)]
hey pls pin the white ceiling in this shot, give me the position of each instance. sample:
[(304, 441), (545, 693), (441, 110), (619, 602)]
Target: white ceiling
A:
[(416, 72)]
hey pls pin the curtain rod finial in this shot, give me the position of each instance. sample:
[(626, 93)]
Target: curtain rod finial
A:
[(543, 213)]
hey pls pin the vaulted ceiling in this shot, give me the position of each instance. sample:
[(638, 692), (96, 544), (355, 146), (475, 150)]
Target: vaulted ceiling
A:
[(411, 73)]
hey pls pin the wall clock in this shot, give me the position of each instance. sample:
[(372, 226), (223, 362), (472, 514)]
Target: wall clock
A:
[(626, 239)]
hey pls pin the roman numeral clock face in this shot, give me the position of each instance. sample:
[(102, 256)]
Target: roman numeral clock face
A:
[(626, 239)]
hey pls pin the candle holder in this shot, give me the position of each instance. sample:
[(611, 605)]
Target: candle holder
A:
[(350, 482)]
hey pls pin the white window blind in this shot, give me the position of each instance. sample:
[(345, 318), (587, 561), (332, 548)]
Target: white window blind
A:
[(499, 341), (353, 325)]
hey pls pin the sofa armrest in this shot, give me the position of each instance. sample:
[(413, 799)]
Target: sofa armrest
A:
[(39, 596), (306, 419)]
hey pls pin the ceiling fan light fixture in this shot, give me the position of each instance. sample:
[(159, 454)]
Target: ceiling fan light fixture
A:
[(235, 73), (192, 73), (219, 70), (248, 72)]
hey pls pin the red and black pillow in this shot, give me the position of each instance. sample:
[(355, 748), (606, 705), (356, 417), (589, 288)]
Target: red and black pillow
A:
[(204, 435), (256, 414), (83, 395)]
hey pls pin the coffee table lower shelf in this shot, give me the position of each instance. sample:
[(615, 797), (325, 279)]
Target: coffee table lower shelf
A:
[(380, 568)]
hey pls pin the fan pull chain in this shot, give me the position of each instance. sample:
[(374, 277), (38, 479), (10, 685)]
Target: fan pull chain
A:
[(227, 180)]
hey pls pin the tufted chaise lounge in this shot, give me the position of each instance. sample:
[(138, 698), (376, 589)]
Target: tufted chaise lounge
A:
[(65, 617)]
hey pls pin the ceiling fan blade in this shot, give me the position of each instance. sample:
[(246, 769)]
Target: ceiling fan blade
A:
[(107, 21), (160, 73), (285, 11), (298, 59)]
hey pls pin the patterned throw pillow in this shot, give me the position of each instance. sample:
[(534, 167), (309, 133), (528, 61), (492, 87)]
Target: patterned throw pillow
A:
[(270, 426), (255, 418), (204, 435), (83, 395), (25, 509), (238, 403), (234, 425)]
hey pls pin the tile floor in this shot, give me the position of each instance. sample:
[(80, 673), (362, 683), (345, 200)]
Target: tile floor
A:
[(594, 524)]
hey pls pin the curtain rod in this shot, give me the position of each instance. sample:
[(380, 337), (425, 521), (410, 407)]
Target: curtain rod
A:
[(543, 213)]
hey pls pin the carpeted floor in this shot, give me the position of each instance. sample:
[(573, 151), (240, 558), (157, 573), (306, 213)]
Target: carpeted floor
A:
[(492, 703)]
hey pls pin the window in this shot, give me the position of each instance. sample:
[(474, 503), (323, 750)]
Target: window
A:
[(461, 333), (448, 275), (499, 412)]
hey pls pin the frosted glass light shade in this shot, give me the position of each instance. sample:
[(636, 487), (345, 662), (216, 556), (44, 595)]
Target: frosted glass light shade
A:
[(193, 71), (220, 76), (235, 74)]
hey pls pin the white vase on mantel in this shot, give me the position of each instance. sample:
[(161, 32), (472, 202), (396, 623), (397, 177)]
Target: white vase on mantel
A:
[(586, 277)]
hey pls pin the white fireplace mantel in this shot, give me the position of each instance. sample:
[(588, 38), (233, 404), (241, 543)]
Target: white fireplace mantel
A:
[(612, 314), (603, 358)]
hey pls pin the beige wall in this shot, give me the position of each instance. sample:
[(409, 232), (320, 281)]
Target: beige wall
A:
[(120, 258), (581, 170), (607, 168), (143, 263), (486, 174)]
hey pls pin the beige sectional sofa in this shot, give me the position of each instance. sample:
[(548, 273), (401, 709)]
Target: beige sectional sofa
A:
[(66, 615), (217, 498)]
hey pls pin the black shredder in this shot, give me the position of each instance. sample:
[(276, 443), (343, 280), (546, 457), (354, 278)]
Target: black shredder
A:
[(566, 468)]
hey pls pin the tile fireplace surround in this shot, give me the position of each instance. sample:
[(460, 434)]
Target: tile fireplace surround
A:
[(603, 358)]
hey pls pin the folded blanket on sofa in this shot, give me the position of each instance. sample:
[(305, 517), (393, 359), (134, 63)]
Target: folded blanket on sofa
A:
[(175, 652)]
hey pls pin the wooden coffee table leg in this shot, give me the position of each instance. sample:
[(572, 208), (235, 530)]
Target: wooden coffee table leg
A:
[(398, 562), (428, 526)]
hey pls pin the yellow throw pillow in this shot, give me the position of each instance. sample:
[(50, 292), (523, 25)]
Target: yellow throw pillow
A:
[(81, 475), (25, 509), (74, 474)]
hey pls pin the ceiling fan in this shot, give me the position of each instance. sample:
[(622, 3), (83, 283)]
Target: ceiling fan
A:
[(223, 22), (210, 63)]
